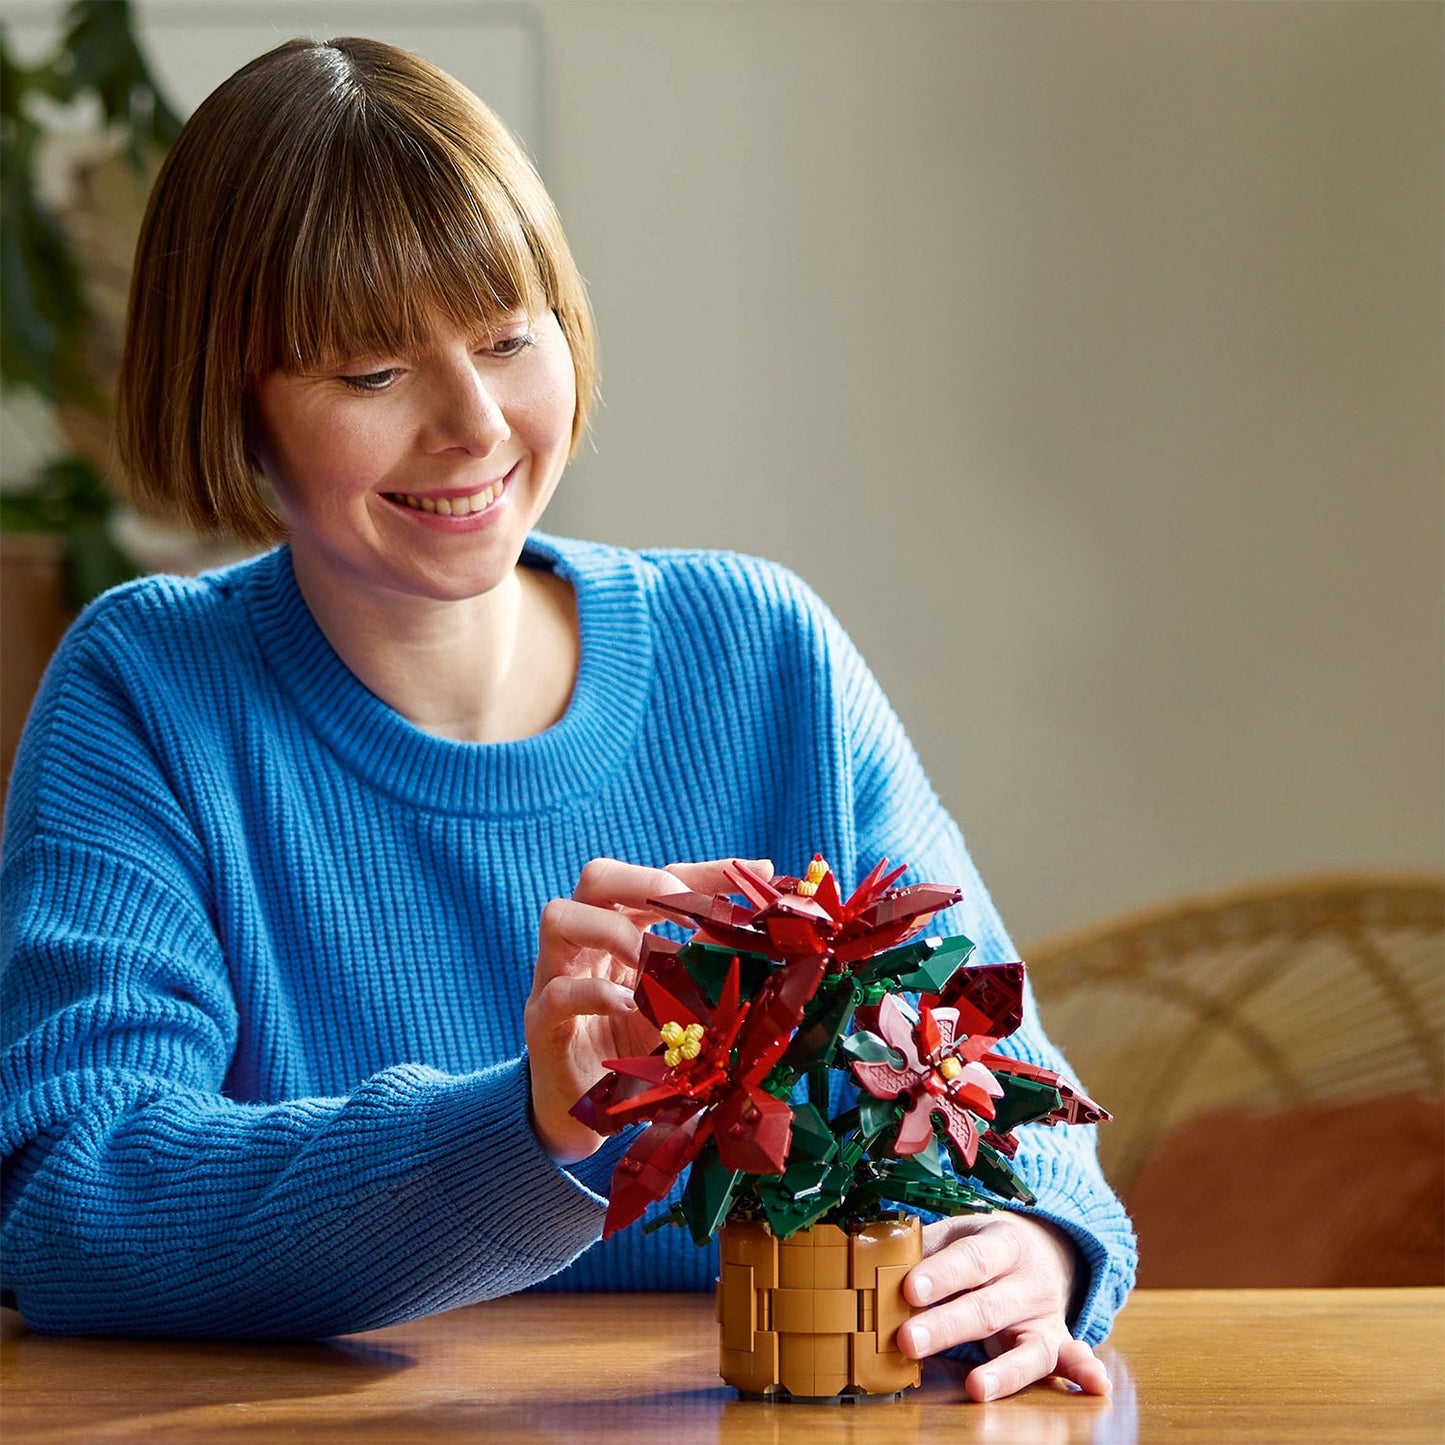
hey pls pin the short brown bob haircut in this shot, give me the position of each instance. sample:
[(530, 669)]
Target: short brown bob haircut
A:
[(329, 200)]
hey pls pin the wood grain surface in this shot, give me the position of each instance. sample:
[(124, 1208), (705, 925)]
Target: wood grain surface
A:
[(1312, 1366)]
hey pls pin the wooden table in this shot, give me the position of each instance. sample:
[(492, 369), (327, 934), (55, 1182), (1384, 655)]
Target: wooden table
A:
[(1200, 1365)]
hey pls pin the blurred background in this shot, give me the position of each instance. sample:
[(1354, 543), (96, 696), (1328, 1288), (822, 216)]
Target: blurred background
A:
[(1087, 358)]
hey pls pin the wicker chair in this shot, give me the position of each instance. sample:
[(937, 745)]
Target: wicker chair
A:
[(1273, 1059)]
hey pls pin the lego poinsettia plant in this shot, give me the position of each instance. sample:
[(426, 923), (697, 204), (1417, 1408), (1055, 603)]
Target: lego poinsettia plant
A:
[(764, 1004)]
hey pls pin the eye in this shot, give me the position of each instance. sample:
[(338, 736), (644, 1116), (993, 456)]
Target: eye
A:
[(511, 345), (371, 381)]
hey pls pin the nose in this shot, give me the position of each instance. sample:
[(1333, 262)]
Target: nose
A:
[(465, 414)]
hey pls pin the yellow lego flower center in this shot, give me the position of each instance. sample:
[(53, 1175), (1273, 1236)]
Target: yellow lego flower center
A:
[(682, 1043), (817, 872)]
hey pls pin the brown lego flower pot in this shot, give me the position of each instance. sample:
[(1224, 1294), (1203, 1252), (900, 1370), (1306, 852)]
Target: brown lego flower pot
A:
[(815, 1316)]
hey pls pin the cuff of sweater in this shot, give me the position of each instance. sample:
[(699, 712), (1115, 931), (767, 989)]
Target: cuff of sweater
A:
[(1096, 1223), (492, 1171), (594, 1174)]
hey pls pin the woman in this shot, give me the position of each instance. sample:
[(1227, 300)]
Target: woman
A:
[(315, 928)]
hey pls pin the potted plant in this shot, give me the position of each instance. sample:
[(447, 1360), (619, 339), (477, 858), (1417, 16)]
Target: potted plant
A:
[(65, 267), (80, 133), (768, 1008)]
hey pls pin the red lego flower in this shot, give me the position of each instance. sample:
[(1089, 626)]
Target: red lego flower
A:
[(935, 1069), (796, 918), (704, 1082), (760, 1001)]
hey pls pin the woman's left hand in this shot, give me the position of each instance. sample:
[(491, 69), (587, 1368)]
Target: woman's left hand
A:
[(1004, 1280)]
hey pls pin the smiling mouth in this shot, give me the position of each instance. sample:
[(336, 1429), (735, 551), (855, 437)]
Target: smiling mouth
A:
[(451, 506)]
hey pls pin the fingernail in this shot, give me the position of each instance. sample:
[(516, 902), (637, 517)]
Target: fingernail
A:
[(922, 1288), (990, 1386), (920, 1339)]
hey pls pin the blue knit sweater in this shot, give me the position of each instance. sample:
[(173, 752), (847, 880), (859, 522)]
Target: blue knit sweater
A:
[(266, 944)]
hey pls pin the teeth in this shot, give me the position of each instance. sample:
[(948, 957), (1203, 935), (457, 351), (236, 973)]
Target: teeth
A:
[(451, 506)]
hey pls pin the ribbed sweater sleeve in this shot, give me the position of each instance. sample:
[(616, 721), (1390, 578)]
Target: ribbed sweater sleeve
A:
[(139, 1197)]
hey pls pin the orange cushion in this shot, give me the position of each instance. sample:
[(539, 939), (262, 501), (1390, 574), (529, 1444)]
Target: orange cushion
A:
[(1350, 1194)]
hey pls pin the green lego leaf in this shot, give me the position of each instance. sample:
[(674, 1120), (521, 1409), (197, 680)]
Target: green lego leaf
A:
[(709, 964), (823, 1025), (812, 1135), (1023, 1101), (941, 1196), (801, 1195), (875, 1116), (870, 1049), (936, 972), (709, 1194), (995, 1173), (887, 968), (670, 1216), (907, 1167), (929, 1158)]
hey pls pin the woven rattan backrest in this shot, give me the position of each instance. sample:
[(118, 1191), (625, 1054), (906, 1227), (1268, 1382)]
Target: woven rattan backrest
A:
[(1275, 996)]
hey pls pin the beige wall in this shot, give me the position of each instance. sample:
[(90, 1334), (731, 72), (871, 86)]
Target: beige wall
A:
[(1087, 358)]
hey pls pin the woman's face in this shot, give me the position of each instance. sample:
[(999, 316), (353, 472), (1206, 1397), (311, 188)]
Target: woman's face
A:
[(420, 475)]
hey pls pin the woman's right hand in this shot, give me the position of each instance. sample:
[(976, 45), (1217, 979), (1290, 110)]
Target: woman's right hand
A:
[(581, 1010)]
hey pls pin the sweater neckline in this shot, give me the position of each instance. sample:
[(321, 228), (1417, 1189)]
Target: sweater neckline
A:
[(575, 758)]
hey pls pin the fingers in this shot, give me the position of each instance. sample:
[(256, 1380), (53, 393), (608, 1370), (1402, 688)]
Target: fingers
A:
[(972, 1257), (571, 997), (576, 938), (581, 1009), (1078, 1362), (976, 1315), (1036, 1356), (1003, 1281), (572, 1026), (1032, 1358), (710, 877), (600, 926), (611, 883)]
